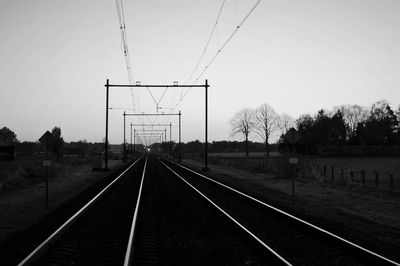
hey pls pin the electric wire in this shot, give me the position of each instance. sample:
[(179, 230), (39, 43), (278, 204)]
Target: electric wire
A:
[(124, 41), (219, 51), (208, 42)]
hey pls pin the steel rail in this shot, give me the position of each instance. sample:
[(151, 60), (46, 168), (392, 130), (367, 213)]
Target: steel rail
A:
[(231, 218), (293, 217), (37, 251), (128, 253)]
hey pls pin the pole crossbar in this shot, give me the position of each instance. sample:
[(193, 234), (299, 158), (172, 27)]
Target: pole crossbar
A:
[(156, 86), (144, 114), (149, 134), (150, 125), (151, 130)]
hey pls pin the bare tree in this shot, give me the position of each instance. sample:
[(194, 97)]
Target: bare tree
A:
[(353, 115), (267, 122), (286, 122), (243, 123)]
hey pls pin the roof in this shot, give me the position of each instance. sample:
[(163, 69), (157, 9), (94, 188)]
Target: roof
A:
[(4, 142)]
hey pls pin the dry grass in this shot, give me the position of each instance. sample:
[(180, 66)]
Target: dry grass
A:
[(362, 211), (385, 166), (242, 154), (22, 203), (28, 170)]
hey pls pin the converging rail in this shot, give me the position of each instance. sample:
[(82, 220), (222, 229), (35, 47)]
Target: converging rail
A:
[(104, 220), (128, 253), (269, 224), (177, 226), (279, 259)]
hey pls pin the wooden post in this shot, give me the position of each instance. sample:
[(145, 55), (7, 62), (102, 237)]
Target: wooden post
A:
[(391, 182), (363, 177), (342, 175), (333, 173), (376, 179)]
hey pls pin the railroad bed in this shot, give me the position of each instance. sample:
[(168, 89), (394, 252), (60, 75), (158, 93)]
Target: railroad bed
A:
[(178, 227), (296, 241), (97, 233), (158, 212)]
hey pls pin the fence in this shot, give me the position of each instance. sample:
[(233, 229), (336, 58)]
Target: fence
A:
[(277, 165), (349, 176)]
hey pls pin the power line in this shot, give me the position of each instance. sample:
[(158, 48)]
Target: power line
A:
[(201, 57), (208, 41), (220, 50), (124, 40)]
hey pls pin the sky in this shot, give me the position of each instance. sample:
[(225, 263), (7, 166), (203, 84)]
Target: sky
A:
[(296, 56)]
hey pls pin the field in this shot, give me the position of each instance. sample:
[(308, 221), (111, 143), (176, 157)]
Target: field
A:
[(22, 197), (26, 171), (377, 172), (368, 216), (242, 154)]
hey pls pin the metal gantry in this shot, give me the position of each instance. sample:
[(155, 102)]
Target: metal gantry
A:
[(154, 125), (163, 136), (175, 85), (173, 114)]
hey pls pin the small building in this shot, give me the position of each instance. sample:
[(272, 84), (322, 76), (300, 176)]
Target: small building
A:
[(7, 150)]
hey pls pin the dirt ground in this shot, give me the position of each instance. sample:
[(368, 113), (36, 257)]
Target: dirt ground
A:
[(23, 208), (366, 216)]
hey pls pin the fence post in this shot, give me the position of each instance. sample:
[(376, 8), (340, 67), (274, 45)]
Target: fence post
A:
[(333, 173), (342, 175), (376, 179), (391, 182), (363, 177)]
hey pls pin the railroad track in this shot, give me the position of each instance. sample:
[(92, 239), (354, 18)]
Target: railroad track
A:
[(159, 212), (295, 240), (178, 227), (98, 234)]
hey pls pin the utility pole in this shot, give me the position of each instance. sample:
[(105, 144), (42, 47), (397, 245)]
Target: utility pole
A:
[(170, 140), (165, 142), (131, 142), (134, 135), (206, 128), (180, 144), (124, 160), (106, 140)]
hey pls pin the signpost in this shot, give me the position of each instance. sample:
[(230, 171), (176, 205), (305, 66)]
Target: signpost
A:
[(47, 140), (292, 136)]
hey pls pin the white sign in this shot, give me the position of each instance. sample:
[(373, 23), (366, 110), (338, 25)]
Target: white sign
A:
[(47, 163), (293, 160)]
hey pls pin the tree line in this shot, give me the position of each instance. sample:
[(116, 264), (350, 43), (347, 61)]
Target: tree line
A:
[(60, 147), (350, 125), (344, 125)]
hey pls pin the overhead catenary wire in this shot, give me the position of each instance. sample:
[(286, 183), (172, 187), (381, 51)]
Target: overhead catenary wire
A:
[(200, 58), (124, 41), (219, 50), (207, 43), (125, 49)]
